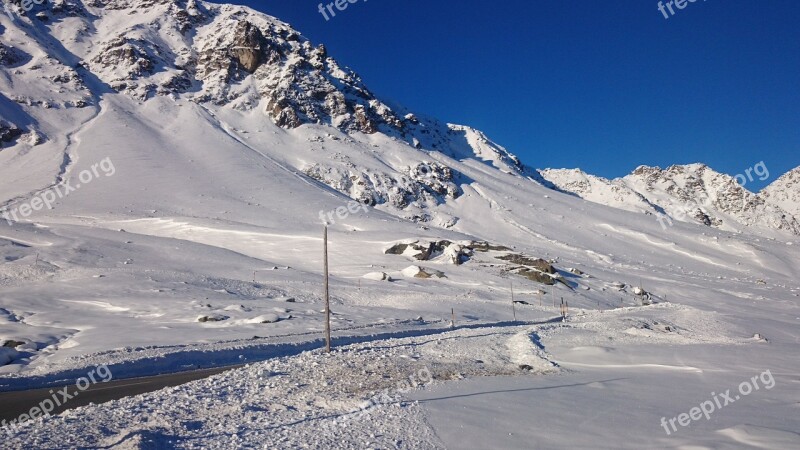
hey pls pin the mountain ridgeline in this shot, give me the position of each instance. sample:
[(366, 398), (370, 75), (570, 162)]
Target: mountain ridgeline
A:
[(60, 61)]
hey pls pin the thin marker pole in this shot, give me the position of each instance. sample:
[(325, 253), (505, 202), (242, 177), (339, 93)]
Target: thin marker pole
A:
[(513, 308), (327, 295)]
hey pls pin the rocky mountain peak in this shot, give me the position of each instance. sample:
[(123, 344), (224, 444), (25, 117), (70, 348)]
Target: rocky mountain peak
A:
[(228, 59), (785, 192), (692, 192)]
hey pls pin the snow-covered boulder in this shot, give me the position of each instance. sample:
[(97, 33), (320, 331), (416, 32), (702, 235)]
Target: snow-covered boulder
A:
[(238, 308), (419, 272), (378, 276), (265, 318)]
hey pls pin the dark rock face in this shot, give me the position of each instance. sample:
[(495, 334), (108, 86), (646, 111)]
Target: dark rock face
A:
[(435, 184), (437, 179), (247, 46), (534, 269), (485, 247), (212, 318), (127, 53), (397, 249), (536, 263), (426, 251), (300, 82), (9, 56), (537, 276), (189, 17), (12, 343), (421, 251), (9, 133)]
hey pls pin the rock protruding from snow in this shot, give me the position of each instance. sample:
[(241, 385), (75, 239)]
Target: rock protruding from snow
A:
[(213, 317), (535, 263), (442, 251), (247, 46), (10, 56), (377, 276), (8, 132), (265, 318), (419, 272)]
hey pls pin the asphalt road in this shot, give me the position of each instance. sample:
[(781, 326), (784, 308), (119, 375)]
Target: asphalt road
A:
[(13, 404)]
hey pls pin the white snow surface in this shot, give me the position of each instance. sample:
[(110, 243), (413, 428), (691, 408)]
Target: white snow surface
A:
[(214, 210)]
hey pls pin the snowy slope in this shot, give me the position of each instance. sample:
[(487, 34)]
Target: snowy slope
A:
[(231, 139), (600, 190)]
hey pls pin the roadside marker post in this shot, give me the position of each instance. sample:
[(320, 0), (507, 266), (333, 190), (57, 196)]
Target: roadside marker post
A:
[(327, 294)]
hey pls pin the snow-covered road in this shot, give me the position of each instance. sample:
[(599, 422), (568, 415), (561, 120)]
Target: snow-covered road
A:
[(472, 388)]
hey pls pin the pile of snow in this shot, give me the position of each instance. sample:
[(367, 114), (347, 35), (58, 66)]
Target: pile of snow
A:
[(265, 318), (378, 276), (419, 272)]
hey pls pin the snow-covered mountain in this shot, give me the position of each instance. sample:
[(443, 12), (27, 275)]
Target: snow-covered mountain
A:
[(596, 189), (691, 193), (166, 167), (785, 192), (62, 62)]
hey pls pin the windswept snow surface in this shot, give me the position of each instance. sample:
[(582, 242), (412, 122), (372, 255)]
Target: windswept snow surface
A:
[(203, 247)]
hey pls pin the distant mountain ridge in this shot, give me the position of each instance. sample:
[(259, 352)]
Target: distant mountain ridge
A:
[(691, 193), (785, 192)]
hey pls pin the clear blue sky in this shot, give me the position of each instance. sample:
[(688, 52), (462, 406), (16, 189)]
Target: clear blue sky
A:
[(601, 85)]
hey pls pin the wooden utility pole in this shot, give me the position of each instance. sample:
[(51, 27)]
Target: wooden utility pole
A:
[(513, 307), (327, 295)]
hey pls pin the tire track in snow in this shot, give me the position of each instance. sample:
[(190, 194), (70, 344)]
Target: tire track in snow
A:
[(156, 361)]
